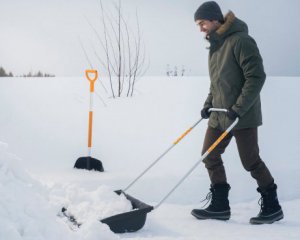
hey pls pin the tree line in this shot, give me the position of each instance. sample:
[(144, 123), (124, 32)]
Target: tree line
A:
[(3, 73)]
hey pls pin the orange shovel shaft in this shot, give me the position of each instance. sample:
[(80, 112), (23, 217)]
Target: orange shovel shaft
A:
[(90, 129), (92, 81), (201, 159)]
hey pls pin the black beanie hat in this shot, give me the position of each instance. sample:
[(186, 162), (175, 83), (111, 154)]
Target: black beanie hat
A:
[(209, 11)]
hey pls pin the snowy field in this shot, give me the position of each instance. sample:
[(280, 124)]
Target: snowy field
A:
[(43, 130)]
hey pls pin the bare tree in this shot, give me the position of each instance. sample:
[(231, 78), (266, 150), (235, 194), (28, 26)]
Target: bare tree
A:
[(124, 58)]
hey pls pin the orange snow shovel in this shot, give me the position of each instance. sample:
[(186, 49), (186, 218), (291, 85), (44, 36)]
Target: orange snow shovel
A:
[(88, 162)]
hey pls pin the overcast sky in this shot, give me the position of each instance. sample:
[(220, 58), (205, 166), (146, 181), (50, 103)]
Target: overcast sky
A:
[(43, 34)]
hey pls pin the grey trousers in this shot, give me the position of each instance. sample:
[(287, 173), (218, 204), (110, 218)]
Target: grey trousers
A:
[(247, 144)]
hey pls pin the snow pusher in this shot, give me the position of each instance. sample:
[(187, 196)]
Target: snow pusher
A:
[(134, 220), (88, 162)]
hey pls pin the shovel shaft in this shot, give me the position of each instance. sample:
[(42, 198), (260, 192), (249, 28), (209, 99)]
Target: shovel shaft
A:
[(163, 154), (92, 89), (225, 133), (90, 129), (172, 146), (183, 135)]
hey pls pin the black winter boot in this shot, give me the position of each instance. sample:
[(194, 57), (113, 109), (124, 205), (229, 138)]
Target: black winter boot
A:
[(219, 206), (270, 209)]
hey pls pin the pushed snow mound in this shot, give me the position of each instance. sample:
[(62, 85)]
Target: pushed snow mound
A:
[(88, 206), (24, 210), (27, 211)]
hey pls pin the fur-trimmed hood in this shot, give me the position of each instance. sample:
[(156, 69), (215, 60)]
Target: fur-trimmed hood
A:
[(231, 25)]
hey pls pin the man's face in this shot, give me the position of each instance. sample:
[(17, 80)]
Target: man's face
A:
[(207, 26)]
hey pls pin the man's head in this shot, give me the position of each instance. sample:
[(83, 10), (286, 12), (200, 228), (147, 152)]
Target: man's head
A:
[(209, 17)]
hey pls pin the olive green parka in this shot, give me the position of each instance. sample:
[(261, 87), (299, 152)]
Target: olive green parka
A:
[(236, 73)]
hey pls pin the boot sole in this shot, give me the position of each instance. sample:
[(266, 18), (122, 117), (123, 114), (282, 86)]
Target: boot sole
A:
[(267, 219), (213, 215)]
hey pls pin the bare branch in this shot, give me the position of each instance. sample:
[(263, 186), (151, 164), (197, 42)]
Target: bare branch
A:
[(119, 49), (106, 48)]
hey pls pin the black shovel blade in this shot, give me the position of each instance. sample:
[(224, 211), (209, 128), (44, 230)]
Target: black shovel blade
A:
[(129, 221), (89, 163)]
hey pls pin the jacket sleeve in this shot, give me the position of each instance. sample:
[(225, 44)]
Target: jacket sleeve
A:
[(250, 61), (208, 101)]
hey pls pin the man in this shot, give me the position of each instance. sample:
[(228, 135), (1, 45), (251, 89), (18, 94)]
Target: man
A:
[(237, 77)]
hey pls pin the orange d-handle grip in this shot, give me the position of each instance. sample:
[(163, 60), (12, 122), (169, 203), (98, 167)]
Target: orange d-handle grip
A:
[(92, 80)]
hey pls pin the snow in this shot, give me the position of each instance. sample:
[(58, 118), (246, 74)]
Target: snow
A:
[(43, 130), (85, 205), (28, 211)]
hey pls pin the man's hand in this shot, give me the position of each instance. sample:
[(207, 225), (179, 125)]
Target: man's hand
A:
[(205, 113), (232, 115)]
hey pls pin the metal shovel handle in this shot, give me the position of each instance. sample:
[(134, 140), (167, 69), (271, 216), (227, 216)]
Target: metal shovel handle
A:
[(172, 146), (163, 154), (212, 147), (218, 110)]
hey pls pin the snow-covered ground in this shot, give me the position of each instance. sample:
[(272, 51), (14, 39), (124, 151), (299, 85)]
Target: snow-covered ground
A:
[(43, 130)]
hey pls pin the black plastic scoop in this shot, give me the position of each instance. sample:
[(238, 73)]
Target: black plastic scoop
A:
[(129, 221)]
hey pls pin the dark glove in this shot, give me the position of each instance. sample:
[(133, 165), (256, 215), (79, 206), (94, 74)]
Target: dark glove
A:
[(232, 115), (205, 113)]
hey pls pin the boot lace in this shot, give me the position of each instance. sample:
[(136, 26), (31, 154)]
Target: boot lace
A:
[(264, 206), (207, 199), (261, 204)]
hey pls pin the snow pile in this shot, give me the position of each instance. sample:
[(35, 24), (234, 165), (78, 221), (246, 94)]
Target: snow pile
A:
[(26, 212), (88, 206)]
